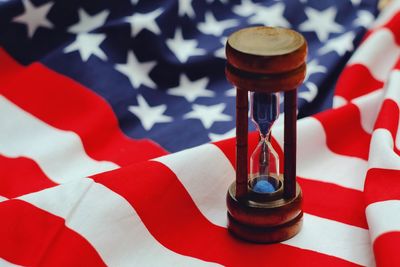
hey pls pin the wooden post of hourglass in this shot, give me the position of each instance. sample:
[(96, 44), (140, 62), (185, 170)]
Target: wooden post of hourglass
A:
[(242, 107), (265, 60)]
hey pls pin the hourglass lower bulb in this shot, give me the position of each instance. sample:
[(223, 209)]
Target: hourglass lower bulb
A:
[(264, 161)]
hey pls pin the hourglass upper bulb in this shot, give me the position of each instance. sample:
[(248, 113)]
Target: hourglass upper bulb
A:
[(264, 110)]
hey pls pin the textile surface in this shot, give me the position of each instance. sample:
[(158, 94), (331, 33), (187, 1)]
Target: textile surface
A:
[(117, 133)]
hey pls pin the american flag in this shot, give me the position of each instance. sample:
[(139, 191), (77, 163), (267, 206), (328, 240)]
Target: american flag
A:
[(111, 114)]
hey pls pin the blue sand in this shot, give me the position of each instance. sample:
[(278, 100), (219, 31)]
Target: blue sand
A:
[(263, 186)]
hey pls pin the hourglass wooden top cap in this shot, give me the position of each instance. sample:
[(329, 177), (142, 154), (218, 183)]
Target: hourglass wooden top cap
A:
[(266, 50)]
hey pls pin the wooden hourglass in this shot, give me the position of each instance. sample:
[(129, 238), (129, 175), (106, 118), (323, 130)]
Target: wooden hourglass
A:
[(263, 205)]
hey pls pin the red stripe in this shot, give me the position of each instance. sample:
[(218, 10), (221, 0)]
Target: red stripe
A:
[(397, 66), (334, 202), (228, 147), (20, 176), (343, 127), (381, 185), (171, 216), (388, 117), (67, 105), (394, 26), (321, 199), (33, 237), (356, 80), (331, 201), (386, 250)]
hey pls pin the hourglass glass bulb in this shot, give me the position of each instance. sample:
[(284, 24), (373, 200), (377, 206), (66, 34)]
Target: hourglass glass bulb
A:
[(264, 111), (264, 161)]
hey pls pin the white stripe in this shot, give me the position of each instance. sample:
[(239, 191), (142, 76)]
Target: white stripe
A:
[(60, 154), (334, 238), (392, 86), (206, 174), (387, 14), (339, 101), (381, 153), (379, 53), (4, 263), (214, 137), (315, 161), (369, 106), (3, 198), (109, 223), (383, 217)]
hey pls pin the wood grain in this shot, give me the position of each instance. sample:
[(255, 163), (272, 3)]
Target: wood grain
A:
[(266, 50)]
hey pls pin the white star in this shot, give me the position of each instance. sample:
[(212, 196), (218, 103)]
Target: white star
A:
[(217, 137), (246, 8), (340, 44), (137, 73), (87, 44), (134, 2), (215, 27), (148, 115), (314, 67), (34, 17), (231, 92), (311, 93), (321, 22), (185, 8), (221, 51), (208, 114), (183, 49), (270, 16), (140, 21), (87, 22), (364, 19), (191, 90), (356, 2)]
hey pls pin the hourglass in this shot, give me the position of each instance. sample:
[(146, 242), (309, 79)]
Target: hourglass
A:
[(264, 205)]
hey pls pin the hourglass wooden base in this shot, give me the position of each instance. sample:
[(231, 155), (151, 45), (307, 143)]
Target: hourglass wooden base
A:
[(264, 218)]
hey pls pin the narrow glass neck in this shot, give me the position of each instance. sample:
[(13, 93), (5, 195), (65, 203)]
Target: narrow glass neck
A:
[(264, 158), (265, 137)]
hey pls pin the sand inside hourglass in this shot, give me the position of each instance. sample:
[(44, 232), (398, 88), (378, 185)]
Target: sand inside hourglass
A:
[(264, 184), (264, 161)]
